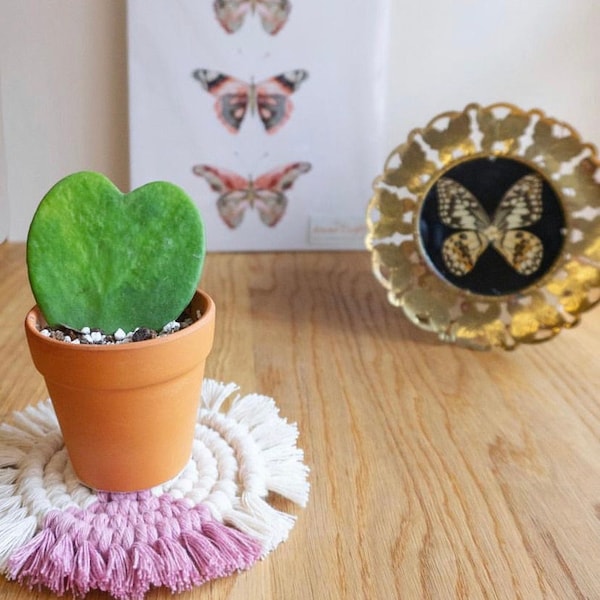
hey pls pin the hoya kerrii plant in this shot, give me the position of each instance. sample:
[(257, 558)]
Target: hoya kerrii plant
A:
[(108, 260)]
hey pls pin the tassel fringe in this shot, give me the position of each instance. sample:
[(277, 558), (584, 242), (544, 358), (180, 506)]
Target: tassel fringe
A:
[(269, 461), (146, 542)]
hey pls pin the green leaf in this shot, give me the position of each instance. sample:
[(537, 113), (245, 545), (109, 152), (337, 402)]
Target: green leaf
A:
[(97, 257)]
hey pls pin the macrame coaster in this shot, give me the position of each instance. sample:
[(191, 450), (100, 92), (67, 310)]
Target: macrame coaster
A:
[(213, 520)]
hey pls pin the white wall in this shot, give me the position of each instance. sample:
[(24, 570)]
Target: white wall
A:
[(532, 53), (3, 195), (63, 65)]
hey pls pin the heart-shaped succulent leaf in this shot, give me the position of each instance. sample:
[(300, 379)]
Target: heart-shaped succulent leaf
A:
[(100, 258)]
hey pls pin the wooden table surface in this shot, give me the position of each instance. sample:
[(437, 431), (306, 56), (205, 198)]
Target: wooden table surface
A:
[(436, 472)]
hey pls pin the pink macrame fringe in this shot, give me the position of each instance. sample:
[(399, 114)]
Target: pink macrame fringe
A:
[(125, 544)]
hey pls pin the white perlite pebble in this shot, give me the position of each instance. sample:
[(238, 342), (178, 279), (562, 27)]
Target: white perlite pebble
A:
[(119, 335), (85, 330), (171, 327), (96, 337)]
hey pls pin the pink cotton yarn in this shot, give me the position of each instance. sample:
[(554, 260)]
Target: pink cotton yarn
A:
[(125, 544)]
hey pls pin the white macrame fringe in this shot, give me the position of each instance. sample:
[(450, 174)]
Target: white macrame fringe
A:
[(17, 524), (268, 457), (275, 437)]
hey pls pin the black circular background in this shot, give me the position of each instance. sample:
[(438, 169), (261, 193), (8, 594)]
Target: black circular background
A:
[(488, 179)]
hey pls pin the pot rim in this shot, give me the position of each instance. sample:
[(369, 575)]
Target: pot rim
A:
[(34, 317)]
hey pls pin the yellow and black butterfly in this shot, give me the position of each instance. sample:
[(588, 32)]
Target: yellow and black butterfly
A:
[(521, 206)]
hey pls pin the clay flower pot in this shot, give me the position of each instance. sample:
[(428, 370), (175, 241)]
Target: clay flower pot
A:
[(127, 412)]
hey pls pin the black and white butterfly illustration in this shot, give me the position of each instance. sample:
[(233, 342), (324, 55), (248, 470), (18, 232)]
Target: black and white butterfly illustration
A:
[(235, 98), (521, 206)]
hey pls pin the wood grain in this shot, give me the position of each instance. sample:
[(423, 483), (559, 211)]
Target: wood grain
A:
[(436, 472)]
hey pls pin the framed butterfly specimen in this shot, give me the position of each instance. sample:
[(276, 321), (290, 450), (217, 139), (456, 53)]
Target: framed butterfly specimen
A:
[(265, 194), (483, 227), (273, 14), (270, 99), (520, 206)]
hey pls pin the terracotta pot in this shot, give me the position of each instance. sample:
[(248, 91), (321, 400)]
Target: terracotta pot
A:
[(127, 412)]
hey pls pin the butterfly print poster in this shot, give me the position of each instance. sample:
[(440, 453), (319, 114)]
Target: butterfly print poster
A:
[(269, 117)]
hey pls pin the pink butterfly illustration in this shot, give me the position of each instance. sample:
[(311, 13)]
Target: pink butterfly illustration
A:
[(265, 193), (234, 98), (232, 13)]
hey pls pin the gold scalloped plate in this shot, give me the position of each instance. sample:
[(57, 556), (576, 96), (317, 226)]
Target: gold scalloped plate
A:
[(484, 227)]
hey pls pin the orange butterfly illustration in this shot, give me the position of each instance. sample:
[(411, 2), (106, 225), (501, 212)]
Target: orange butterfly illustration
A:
[(235, 98), (265, 193), (273, 14)]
